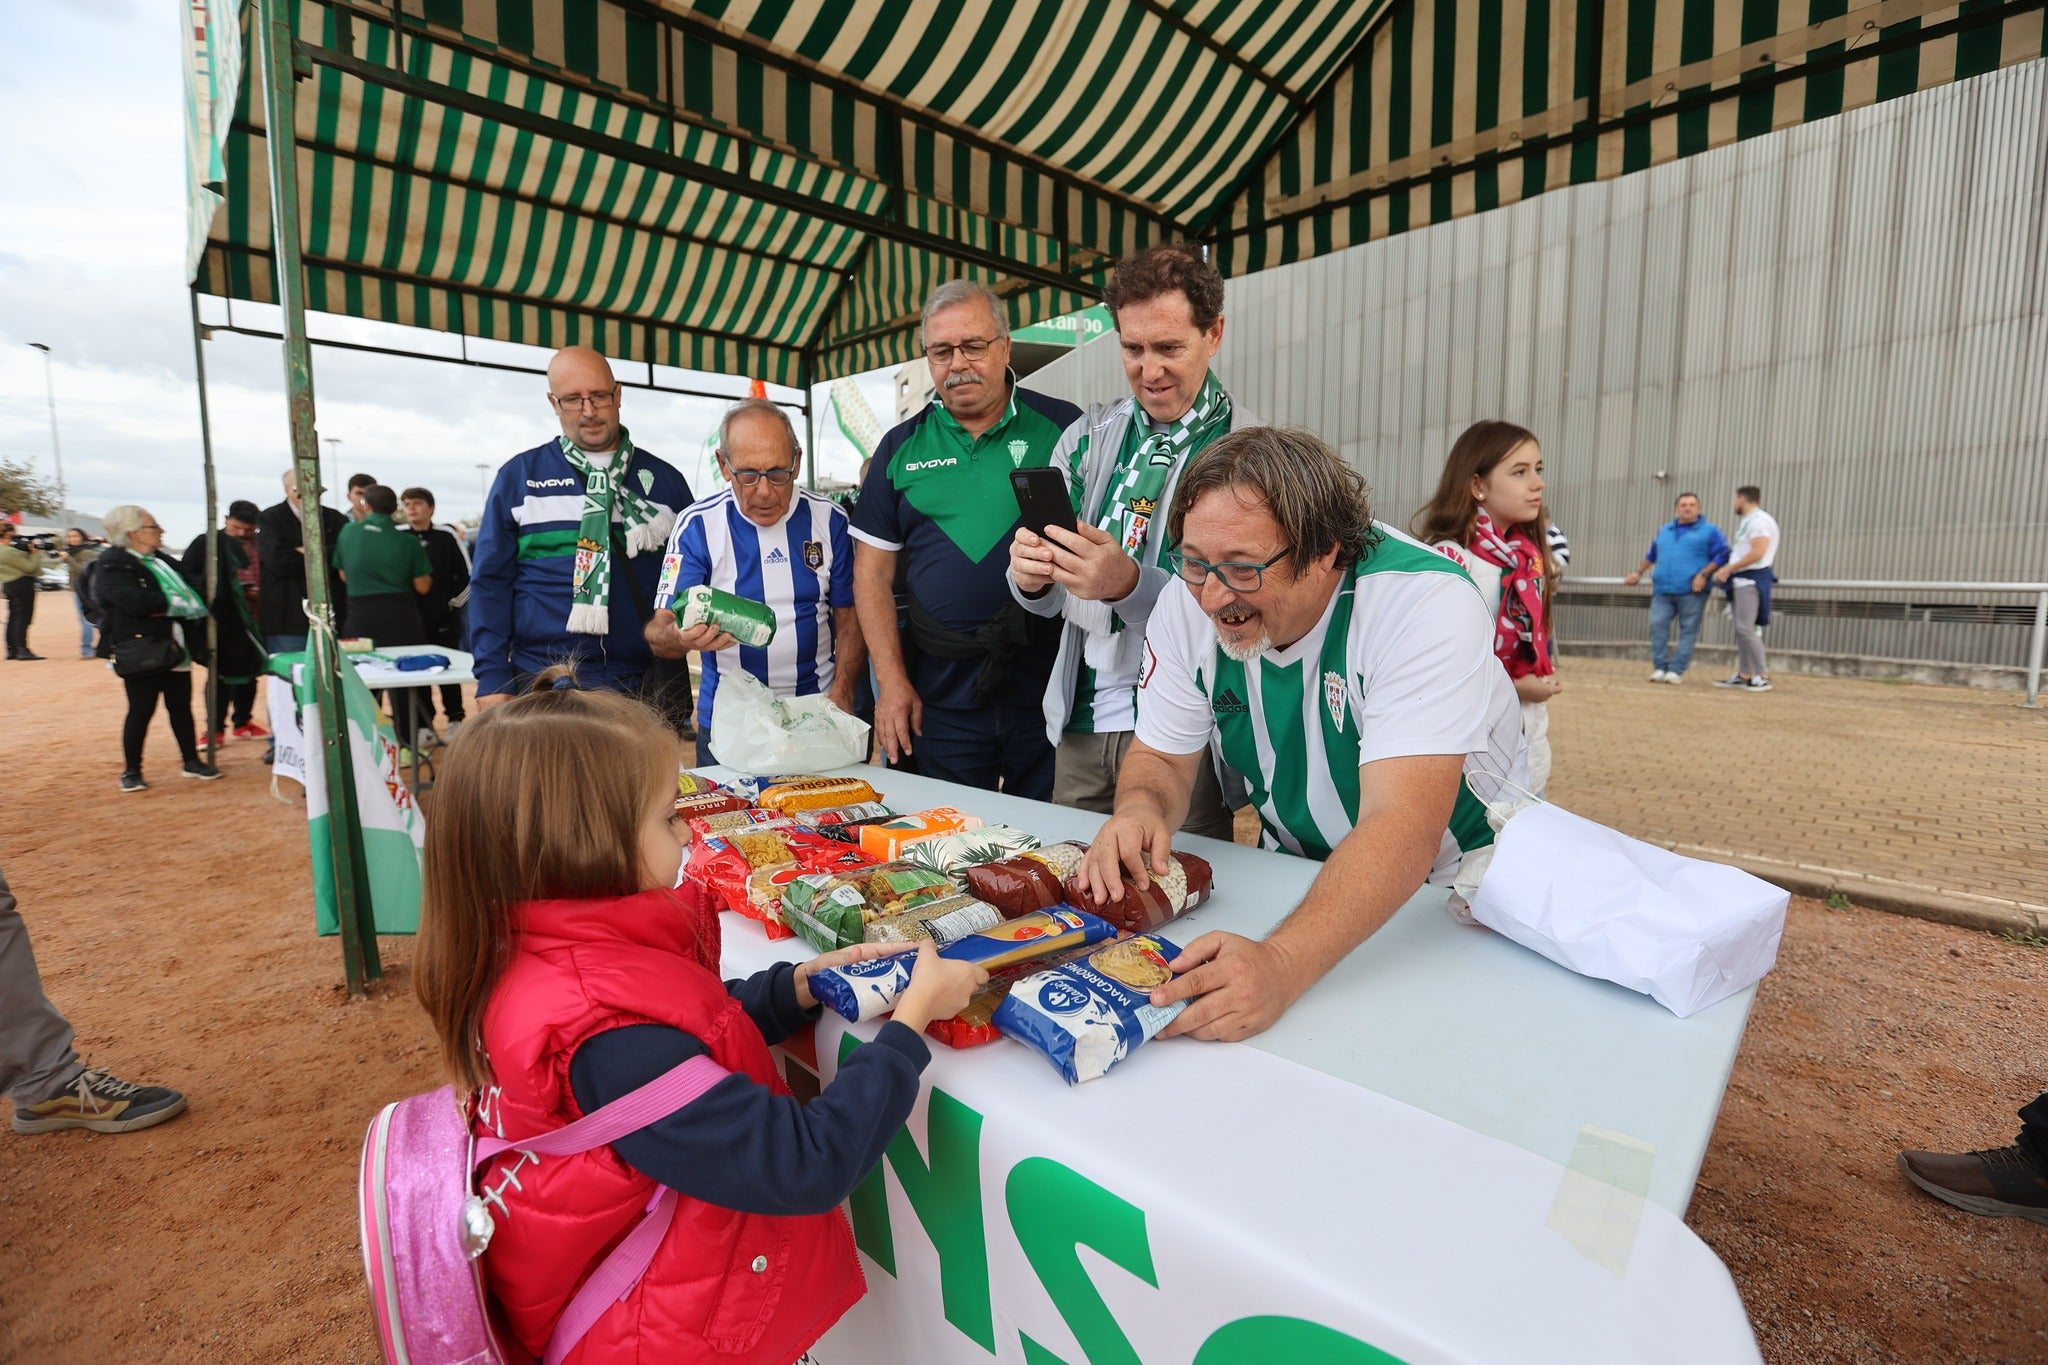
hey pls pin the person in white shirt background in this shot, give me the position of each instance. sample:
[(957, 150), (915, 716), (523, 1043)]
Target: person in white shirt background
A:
[(1748, 576)]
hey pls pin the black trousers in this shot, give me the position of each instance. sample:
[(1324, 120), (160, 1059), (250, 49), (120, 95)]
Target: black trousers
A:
[(21, 609), (238, 699), (175, 687)]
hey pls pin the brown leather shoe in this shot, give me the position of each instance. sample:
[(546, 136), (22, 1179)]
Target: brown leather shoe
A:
[(1998, 1182)]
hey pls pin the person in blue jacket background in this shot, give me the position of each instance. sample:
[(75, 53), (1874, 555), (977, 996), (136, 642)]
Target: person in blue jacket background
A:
[(568, 554), (1685, 551)]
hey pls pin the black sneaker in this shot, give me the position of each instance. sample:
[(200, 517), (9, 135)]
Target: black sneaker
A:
[(102, 1103), (201, 769), (132, 782), (1732, 680), (2002, 1182)]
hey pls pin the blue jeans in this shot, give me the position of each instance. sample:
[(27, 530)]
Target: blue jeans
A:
[(1688, 607), (996, 747), (84, 627)]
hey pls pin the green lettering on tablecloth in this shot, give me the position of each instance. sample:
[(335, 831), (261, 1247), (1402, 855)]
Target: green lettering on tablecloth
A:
[(1054, 1211), (946, 1196), (1260, 1341)]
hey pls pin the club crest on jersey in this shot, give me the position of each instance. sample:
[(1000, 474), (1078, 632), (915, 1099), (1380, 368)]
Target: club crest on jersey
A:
[(1333, 695), (1144, 507), (586, 560), (814, 555), (1019, 448), (646, 481)]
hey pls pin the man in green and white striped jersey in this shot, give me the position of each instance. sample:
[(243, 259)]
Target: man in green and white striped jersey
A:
[(1347, 672)]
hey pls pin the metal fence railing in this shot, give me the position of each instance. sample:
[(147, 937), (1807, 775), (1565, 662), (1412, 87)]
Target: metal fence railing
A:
[(2038, 591)]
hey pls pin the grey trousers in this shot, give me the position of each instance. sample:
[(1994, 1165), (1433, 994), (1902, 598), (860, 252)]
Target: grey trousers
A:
[(1085, 769), (36, 1057), (1749, 636)]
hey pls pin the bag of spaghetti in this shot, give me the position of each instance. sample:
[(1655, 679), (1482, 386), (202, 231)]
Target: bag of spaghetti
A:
[(953, 854), (1030, 881), (833, 910), (1187, 884), (1086, 1016)]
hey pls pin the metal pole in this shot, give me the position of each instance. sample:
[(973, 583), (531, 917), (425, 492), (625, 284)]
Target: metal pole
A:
[(2039, 647), (56, 446), (212, 537), (351, 890), (807, 372)]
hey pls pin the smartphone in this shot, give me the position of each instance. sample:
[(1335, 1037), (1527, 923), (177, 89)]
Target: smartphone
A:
[(1042, 498)]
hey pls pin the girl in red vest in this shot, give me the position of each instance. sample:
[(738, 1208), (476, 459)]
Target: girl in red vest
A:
[(562, 971)]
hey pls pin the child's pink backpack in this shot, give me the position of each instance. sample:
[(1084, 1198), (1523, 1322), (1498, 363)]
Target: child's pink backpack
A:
[(424, 1227)]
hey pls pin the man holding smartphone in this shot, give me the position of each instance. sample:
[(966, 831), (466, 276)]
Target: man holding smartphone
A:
[(1123, 461), (934, 521)]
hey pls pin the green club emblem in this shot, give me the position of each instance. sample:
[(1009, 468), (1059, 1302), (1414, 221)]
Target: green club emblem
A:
[(1018, 448)]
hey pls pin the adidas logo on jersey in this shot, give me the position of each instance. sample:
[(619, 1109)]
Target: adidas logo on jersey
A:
[(776, 556), (1230, 704)]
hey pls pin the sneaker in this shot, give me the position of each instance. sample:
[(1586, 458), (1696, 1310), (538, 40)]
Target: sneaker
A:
[(1674, 678), (1658, 675), (100, 1102), (29, 656), (1998, 1182), (1732, 680), (132, 782), (249, 729), (270, 755), (202, 770), (427, 739), (1758, 684)]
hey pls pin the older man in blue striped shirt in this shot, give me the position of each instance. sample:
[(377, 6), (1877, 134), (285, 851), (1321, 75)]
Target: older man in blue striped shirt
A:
[(764, 538)]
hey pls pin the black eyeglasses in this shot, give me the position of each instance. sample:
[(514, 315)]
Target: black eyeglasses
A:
[(747, 478), (974, 348), (1237, 575), (594, 402)]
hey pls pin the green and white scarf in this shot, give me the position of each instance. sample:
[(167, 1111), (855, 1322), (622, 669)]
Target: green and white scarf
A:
[(1131, 502), (179, 599), (607, 499)]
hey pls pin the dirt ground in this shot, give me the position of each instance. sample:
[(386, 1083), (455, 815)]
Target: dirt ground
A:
[(174, 928)]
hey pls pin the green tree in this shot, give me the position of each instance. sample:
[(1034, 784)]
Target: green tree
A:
[(23, 490)]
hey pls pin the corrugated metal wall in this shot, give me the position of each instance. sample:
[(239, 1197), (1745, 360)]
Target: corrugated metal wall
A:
[(1852, 314)]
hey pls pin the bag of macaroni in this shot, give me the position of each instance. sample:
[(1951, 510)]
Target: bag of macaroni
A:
[(1084, 1017)]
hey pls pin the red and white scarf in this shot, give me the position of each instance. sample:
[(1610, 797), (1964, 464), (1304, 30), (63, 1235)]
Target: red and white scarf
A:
[(1519, 640)]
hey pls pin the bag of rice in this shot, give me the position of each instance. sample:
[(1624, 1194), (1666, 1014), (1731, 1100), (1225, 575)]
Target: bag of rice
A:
[(1031, 881), (709, 803), (690, 784), (1187, 883), (1088, 1015), (833, 910), (889, 838), (942, 921), (816, 793), (953, 854)]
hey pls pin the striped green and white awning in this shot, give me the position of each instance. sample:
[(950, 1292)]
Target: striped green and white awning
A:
[(771, 189)]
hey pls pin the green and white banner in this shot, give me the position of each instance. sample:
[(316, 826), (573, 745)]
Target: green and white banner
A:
[(213, 73), (1212, 1204), (394, 831)]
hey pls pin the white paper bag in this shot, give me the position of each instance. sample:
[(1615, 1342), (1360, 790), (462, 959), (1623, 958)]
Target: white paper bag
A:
[(1684, 932), (754, 730)]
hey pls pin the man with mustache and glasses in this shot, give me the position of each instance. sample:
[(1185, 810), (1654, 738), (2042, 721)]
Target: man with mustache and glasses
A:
[(1123, 461), (935, 515), (1348, 673)]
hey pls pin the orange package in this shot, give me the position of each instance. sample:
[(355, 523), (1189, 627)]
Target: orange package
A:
[(886, 839)]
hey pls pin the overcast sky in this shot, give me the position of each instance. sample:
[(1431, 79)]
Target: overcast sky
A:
[(92, 228)]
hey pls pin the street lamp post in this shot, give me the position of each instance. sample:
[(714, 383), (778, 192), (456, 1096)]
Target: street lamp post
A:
[(56, 448), (483, 487)]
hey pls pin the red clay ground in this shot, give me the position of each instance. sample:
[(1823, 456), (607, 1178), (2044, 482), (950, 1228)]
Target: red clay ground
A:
[(174, 928)]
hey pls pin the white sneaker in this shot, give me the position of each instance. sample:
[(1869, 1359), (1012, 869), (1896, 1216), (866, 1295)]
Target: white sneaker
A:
[(1659, 675), (1674, 678)]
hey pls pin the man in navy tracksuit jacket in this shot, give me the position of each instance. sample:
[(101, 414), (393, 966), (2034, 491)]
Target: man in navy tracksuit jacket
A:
[(520, 585)]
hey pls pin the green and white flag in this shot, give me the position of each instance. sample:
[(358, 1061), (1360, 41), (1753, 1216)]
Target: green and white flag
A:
[(394, 831)]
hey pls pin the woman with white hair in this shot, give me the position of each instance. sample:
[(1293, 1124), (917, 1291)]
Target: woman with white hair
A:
[(153, 622)]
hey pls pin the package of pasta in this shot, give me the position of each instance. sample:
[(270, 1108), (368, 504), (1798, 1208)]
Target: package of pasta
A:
[(858, 813), (690, 784), (765, 885), (942, 921), (953, 854), (1086, 1016), (1031, 881), (751, 786), (1187, 884), (816, 793), (1028, 938), (975, 1025), (859, 991), (888, 838), (709, 803), (753, 817), (724, 862), (833, 909)]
